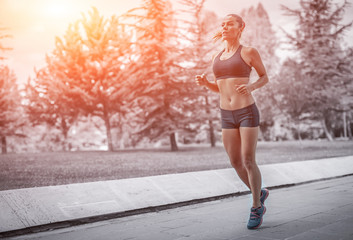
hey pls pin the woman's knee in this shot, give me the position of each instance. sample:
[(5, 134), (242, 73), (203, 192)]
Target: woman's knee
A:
[(236, 162), (249, 161)]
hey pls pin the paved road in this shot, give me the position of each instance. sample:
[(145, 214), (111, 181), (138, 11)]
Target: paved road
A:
[(319, 210)]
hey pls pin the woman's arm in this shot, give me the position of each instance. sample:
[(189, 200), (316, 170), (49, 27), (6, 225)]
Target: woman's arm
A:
[(201, 80), (255, 62), (212, 86)]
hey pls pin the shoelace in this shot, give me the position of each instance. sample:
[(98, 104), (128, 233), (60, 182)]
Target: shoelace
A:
[(254, 214)]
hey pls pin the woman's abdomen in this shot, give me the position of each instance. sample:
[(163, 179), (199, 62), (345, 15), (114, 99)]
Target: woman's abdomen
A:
[(230, 99)]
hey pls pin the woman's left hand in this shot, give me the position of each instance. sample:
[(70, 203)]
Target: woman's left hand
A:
[(243, 89)]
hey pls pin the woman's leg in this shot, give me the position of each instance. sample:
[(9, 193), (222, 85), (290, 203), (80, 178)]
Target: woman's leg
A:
[(248, 137), (232, 144)]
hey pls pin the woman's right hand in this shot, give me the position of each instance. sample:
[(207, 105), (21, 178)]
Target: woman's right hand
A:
[(201, 80)]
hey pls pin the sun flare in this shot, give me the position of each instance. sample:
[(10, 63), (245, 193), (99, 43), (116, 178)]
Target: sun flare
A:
[(57, 8)]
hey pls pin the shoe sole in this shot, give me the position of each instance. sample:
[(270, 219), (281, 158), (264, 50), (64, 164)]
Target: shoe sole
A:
[(261, 220)]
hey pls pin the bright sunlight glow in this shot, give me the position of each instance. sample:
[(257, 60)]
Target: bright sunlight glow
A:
[(57, 8)]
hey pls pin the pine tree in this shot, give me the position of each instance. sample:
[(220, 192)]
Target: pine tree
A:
[(49, 101), (108, 45), (87, 67), (52, 97), (346, 102), (11, 114), (159, 89), (198, 55), (291, 94), (317, 41)]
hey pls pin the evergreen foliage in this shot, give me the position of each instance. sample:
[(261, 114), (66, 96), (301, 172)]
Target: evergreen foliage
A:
[(50, 102), (84, 74), (322, 65), (197, 31), (11, 113), (160, 89)]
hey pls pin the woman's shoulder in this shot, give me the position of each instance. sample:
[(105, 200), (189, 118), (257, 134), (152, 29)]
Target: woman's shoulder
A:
[(248, 50)]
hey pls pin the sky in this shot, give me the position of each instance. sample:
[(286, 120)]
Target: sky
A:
[(34, 24)]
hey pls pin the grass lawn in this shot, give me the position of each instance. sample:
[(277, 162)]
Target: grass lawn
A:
[(54, 168)]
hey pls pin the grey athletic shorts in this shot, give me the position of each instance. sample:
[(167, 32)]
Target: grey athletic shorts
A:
[(244, 117)]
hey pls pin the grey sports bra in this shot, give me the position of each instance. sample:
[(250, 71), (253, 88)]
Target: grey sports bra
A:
[(231, 67)]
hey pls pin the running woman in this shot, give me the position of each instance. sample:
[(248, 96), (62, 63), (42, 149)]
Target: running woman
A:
[(239, 113)]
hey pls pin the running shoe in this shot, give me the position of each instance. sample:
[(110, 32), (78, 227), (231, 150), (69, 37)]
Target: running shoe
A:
[(256, 216), (264, 195)]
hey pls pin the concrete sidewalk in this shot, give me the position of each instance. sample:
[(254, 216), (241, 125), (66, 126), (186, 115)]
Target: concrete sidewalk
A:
[(38, 209), (318, 210)]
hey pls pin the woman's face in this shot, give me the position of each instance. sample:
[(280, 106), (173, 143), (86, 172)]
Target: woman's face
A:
[(230, 28)]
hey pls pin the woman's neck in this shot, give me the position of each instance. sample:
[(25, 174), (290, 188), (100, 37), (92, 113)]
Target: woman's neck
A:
[(232, 45)]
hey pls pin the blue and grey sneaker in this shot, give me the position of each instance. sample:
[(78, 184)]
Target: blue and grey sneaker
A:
[(264, 195), (256, 215)]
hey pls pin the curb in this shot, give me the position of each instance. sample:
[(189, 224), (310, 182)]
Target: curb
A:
[(39, 209)]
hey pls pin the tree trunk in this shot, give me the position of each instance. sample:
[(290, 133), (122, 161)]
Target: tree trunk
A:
[(121, 133), (173, 143), (211, 129), (349, 129), (299, 136), (298, 132), (298, 129), (64, 130), (3, 145), (212, 136), (344, 125), (327, 133), (108, 131), (122, 139)]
